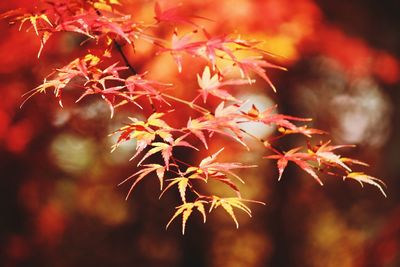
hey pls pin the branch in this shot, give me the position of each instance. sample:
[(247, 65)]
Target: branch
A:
[(119, 48)]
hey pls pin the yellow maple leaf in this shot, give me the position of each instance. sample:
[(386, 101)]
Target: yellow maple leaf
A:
[(186, 210), (364, 178), (228, 203)]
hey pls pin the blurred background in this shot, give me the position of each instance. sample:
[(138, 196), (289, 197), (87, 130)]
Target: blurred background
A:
[(59, 200)]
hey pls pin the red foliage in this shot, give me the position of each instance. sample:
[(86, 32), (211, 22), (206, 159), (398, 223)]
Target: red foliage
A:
[(227, 61)]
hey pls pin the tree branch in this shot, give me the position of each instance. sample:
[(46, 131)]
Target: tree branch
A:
[(119, 48)]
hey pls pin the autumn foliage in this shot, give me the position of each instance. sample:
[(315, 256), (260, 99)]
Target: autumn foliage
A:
[(107, 71)]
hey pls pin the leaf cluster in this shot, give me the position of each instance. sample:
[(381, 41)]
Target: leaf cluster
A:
[(104, 24)]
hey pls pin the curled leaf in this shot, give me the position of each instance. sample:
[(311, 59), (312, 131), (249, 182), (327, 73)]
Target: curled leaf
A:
[(364, 178)]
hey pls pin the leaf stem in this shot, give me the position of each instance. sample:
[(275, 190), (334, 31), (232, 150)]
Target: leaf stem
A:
[(180, 161), (264, 142), (190, 104)]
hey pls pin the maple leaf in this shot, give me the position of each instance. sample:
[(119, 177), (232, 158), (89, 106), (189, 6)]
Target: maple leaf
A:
[(206, 49), (94, 24), (182, 44), (95, 19), (324, 154), (209, 166), (39, 22), (215, 44), (211, 85), (182, 183), (304, 130), (61, 77), (196, 127), (149, 168), (137, 85), (227, 112), (138, 131), (186, 210), (299, 158), (364, 178), (96, 84), (156, 121), (223, 47), (268, 117), (223, 121), (229, 203), (173, 15), (166, 149), (145, 132), (353, 161), (257, 65)]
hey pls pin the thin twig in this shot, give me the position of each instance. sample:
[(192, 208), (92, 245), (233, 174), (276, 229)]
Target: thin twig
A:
[(190, 104), (119, 48)]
